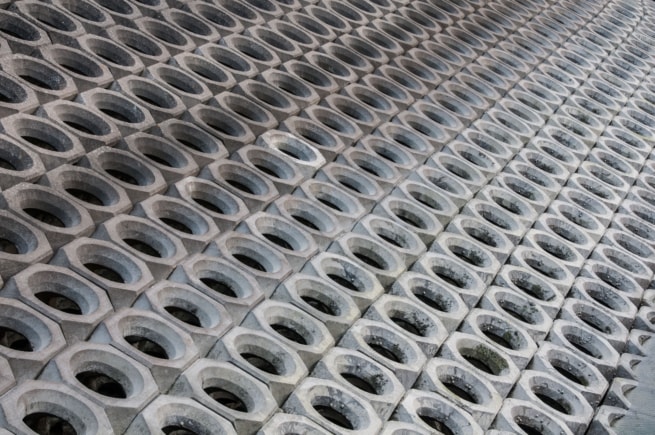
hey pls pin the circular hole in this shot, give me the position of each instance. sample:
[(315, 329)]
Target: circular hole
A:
[(436, 424), (221, 287), (85, 196), (104, 272), (250, 262), (334, 416), (176, 224), (44, 423), (289, 333), (226, 398), (568, 372), (13, 339), (177, 430), (582, 345), (479, 364), (371, 258), (408, 325), (143, 247), (260, 363), (306, 222), (102, 384), (319, 305), (558, 405), (146, 346), (455, 387), (432, 301), (59, 302), (45, 217), (8, 246), (495, 336), (184, 315), (359, 382), (385, 350), (515, 311)]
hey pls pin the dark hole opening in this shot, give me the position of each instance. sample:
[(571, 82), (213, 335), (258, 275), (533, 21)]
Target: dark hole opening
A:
[(436, 424), (123, 176), (175, 224), (289, 333), (79, 127), (143, 247), (8, 246), (278, 241), (359, 382), (491, 335), (147, 346), (584, 349), (305, 222), (385, 352), (36, 81), (184, 315), (226, 399), (460, 392), (250, 262), (45, 217), (479, 364), (4, 163), (334, 416), (102, 384), (14, 340), (177, 430), (104, 272), (219, 286), (44, 423), (343, 281), (330, 204), (209, 205), (408, 326), (436, 303), (85, 196), (157, 159), (40, 142), (529, 430), (556, 405), (368, 260), (240, 186), (318, 305), (570, 375), (268, 171), (116, 115), (260, 363), (59, 302)]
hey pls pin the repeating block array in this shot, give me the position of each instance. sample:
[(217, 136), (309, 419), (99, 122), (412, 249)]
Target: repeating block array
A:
[(327, 216)]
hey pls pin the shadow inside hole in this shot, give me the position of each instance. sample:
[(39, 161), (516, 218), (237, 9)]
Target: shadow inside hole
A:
[(437, 424), (219, 286), (104, 272), (147, 346), (334, 416), (44, 423), (260, 363), (226, 398), (360, 383), (59, 302), (319, 305), (102, 384), (13, 339), (143, 247), (183, 315), (289, 333)]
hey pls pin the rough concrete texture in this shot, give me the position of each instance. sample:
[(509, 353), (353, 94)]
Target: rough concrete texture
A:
[(327, 216)]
